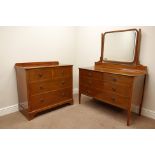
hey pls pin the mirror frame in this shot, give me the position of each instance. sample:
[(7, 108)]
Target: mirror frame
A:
[(137, 47)]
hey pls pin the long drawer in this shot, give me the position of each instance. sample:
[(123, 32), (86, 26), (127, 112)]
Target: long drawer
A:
[(86, 90), (51, 98), (49, 85)]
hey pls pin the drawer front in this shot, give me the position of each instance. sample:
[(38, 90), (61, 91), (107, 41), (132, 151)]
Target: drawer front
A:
[(92, 83), (61, 72), (86, 73), (41, 101), (61, 83), (122, 90), (91, 74), (62, 95), (98, 84), (86, 81), (42, 87), (51, 98), (39, 87), (118, 78), (98, 75), (114, 99), (39, 74), (86, 90)]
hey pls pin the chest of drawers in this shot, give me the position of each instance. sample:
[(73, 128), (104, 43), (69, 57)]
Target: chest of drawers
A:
[(43, 85), (118, 89)]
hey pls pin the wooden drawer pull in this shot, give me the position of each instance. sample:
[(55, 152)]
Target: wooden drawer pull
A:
[(40, 75), (63, 82), (63, 94), (90, 74), (40, 87), (87, 91), (113, 99), (42, 100), (90, 82), (114, 79), (113, 89)]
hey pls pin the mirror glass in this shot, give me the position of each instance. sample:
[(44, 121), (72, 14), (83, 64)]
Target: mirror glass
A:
[(119, 46)]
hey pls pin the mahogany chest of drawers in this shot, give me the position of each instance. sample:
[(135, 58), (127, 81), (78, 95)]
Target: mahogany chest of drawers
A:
[(121, 90), (43, 85)]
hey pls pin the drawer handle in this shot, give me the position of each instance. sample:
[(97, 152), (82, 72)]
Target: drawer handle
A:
[(40, 75), (113, 89), (114, 79), (40, 87), (90, 74), (87, 91), (113, 99), (63, 82), (42, 100)]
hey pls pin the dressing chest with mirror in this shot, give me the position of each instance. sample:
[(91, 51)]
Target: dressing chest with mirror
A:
[(42, 86), (117, 78)]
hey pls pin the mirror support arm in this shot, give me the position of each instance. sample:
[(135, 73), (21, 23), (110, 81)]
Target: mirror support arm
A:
[(102, 47)]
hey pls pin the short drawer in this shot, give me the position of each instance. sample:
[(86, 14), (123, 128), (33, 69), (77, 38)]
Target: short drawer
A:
[(118, 78), (59, 72), (122, 90), (86, 81), (91, 83), (85, 73), (91, 74), (39, 74), (86, 90), (98, 84)]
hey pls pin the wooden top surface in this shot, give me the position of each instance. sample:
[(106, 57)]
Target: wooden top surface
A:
[(120, 71), (43, 66), (33, 65)]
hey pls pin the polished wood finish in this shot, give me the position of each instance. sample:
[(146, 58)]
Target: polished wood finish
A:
[(117, 83), (121, 90), (43, 85)]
